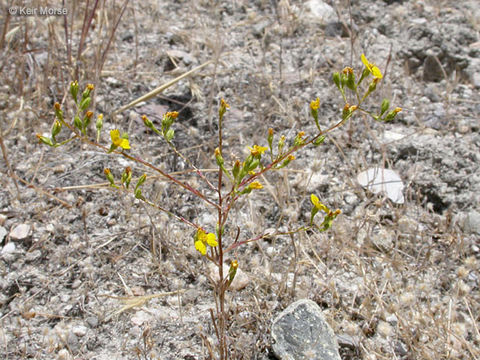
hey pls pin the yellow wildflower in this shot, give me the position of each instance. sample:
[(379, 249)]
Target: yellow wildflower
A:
[(371, 67), (257, 150), (118, 141), (255, 185), (315, 104), (202, 239), (172, 114), (224, 104), (316, 202)]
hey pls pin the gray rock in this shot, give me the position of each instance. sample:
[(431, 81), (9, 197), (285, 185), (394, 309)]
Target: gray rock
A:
[(432, 93), (20, 232), (8, 248), (32, 256), (3, 232), (301, 332), (471, 223), (432, 71), (80, 330), (321, 11), (336, 28), (476, 80), (92, 321), (72, 341), (383, 240)]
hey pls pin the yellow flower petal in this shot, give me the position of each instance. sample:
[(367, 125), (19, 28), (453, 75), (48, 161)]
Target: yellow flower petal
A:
[(200, 246), (257, 150), (255, 185), (372, 68), (315, 104), (316, 202), (376, 72), (211, 240), (115, 135), (124, 144), (365, 61)]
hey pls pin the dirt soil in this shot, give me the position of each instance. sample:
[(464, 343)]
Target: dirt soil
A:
[(395, 281)]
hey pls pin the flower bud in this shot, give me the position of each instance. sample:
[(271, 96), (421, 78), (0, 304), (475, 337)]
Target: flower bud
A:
[(223, 108), (99, 126), (147, 122), (350, 82), (57, 127), (236, 170), (141, 180), (127, 176), (45, 140), (87, 91), (281, 144), (218, 157), (77, 122), (392, 114), (384, 107), (287, 161), (336, 79), (58, 111), (170, 134), (299, 139), (167, 121), (86, 120), (109, 176), (74, 90), (346, 111), (232, 271), (85, 103), (252, 165)]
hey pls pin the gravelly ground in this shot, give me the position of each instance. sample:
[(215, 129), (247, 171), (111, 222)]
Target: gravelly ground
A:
[(395, 281)]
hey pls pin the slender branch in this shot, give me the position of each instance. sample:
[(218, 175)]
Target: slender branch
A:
[(187, 160), (143, 162), (264, 236)]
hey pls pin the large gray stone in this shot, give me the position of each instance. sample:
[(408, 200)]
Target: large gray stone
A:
[(301, 332)]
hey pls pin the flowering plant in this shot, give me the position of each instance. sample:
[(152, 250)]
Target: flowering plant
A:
[(243, 176)]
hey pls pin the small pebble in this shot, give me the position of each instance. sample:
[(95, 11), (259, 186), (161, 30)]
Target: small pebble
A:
[(32, 256), (8, 249), (63, 354), (3, 233), (384, 329), (92, 321), (76, 284), (72, 340), (20, 232), (80, 330)]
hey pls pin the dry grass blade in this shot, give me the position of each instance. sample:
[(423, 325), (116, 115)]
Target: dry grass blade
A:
[(160, 89), (137, 301)]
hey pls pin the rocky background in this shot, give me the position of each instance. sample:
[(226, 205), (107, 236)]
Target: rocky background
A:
[(394, 281)]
